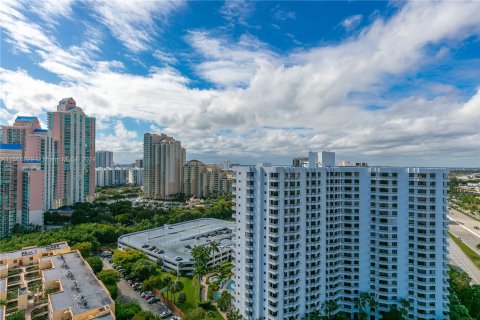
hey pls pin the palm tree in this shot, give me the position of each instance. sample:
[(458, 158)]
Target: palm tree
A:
[(171, 288), (372, 304), (214, 248), (404, 306), (167, 281), (365, 304), (328, 309), (234, 314), (177, 286), (198, 272)]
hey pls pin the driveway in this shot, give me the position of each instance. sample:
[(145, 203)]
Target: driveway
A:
[(126, 292)]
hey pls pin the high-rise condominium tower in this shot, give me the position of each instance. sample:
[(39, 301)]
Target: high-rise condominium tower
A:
[(318, 233), (201, 180), (163, 160), (72, 154), (22, 169), (103, 159)]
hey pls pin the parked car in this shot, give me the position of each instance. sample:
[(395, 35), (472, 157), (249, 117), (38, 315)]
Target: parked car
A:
[(166, 314), (476, 227)]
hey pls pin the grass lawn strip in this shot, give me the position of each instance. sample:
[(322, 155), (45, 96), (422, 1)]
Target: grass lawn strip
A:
[(472, 255)]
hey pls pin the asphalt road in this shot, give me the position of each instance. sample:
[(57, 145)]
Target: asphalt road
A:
[(459, 259), (126, 292), (463, 227)]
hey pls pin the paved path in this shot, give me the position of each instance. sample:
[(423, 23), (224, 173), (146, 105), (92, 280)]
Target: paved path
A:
[(126, 292), (460, 259)]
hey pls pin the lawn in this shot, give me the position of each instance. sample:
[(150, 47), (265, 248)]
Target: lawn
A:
[(459, 209), (472, 255), (191, 289)]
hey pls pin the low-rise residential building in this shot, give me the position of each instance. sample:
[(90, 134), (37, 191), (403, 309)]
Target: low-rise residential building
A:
[(52, 281), (172, 244)]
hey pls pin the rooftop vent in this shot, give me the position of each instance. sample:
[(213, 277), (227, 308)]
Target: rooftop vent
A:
[(83, 302)]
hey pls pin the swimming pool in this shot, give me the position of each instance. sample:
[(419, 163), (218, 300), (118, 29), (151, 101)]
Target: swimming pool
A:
[(231, 286)]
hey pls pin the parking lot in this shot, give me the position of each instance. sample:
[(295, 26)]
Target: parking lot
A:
[(126, 292)]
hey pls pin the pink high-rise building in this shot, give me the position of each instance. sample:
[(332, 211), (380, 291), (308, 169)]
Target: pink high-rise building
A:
[(22, 148), (44, 169)]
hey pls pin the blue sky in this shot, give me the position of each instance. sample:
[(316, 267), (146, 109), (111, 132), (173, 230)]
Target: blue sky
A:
[(385, 82)]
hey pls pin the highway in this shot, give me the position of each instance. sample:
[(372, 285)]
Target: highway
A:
[(459, 259), (463, 227)]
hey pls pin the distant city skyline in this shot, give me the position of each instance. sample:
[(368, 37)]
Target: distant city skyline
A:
[(391, 83)]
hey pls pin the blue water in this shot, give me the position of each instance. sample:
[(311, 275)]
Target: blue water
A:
[(230, 287)]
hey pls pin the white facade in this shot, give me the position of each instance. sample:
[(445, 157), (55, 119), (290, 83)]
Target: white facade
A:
[(135, 176), (110, 177), (307, 235)]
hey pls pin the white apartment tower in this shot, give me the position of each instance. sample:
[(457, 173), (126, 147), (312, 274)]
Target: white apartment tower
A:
[(163, 161), (317, 233)]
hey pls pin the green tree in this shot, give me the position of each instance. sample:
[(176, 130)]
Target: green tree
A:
[(109, 276), (329, 309), (234, 314), (167, 283), (365, 304), (177, 286), (393, 314), (127, 257), (182, 298), (404, 307), (145, 315), (113, 289), (126, 310), (313, 316), (85, 248), (225, 301), (153, 282), (195, 314), (143, 269), (457, 310), (95, 263), (214, 248), (201, 256)]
